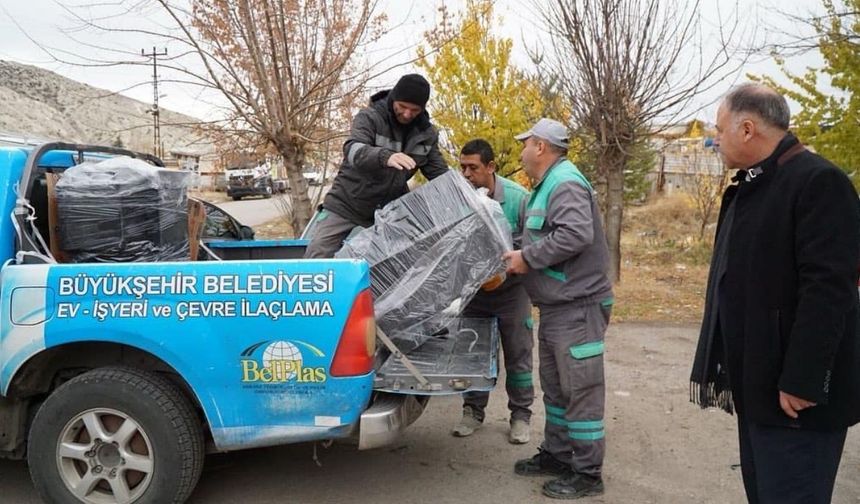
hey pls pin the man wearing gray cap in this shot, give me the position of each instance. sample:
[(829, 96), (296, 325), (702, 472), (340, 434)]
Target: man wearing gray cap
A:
[(565, 259)]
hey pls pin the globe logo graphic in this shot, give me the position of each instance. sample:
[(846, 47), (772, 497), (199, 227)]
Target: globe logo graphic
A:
[(283, 358)]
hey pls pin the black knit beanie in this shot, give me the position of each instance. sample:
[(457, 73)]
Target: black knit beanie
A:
[(412, 88)]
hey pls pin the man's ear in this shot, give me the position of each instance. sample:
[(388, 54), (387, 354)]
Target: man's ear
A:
[(748, 128), (492, 166)]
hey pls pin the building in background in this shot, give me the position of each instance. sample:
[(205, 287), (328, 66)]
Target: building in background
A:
[(685, 154)]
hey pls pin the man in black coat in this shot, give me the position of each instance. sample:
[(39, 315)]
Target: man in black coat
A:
[(779, 339), (390, 140)]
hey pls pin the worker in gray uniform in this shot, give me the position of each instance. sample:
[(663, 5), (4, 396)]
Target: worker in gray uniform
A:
[(508, 302), (564, 258)]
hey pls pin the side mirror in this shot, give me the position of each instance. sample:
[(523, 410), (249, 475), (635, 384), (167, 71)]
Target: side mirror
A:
[(246, 232)]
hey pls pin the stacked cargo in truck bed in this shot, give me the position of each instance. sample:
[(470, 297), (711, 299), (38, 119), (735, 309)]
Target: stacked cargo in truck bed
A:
[(122, 210)]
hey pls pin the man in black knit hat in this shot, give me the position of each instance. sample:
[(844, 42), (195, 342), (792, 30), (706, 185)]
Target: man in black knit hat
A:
[(390, 140)]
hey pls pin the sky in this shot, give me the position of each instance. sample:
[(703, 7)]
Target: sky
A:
[(31, 29)]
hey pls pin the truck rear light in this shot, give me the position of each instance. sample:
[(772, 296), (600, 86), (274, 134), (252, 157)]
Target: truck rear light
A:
[(354, 354)]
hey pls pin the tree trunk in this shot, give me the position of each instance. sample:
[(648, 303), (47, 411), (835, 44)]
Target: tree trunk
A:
[(614, 162), (294, 161), (602, 189)]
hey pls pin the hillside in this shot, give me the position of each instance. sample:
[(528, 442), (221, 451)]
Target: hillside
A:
[(39, 103)]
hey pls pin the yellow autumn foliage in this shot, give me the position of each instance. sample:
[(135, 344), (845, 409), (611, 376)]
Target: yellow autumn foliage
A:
[(477, 91)]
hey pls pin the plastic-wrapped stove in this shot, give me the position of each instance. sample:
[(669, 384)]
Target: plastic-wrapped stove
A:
[(429, 253)]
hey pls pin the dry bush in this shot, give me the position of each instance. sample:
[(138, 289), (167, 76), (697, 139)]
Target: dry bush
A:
[(666, 230), (665, 265)]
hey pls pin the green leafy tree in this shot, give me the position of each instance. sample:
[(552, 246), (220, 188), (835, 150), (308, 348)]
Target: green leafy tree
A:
[(477, 91), (830, 122)]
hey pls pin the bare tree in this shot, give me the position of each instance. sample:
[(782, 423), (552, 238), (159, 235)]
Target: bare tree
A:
[(281, 65), (284, 73), (706, 180), (626, 65)]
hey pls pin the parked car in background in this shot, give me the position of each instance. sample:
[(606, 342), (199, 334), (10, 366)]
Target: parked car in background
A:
[(313, 178), (255, 181)]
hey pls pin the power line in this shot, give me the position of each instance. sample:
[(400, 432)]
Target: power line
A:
[(157, 147)]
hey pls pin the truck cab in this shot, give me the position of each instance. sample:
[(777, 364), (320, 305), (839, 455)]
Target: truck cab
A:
[(256, 181), (117, 377)]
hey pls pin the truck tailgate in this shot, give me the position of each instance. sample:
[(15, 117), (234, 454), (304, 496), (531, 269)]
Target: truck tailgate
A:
[(461, 358)]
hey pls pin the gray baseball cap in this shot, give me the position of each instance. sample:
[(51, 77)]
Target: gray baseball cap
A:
[(552, 131)]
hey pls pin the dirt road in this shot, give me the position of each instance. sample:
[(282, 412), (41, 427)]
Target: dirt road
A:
[(661, 449)]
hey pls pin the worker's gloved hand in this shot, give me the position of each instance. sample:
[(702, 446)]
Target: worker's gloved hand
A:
[(401, 161), (494, 283)]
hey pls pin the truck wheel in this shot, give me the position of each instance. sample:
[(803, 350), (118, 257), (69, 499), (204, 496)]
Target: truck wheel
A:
[(236, 198), (268, 193), (116, 435)]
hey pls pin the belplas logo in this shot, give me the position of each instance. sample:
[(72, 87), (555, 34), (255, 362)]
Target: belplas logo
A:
[(282, 362)]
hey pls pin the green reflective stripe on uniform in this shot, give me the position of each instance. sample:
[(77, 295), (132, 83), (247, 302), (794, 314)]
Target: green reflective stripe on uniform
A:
[(514, 196), (556, 420), (553, 410), (521, 376), (607, 302), (586, 350), (529, 323), (587, 436), (539, 199), (535, 221), (585, 425), (558, 275), (519, 384), (555, 415), (519, 379)]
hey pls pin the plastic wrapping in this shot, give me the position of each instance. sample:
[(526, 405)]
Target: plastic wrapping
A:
[(429, 253), (122, 210), (465, 351)]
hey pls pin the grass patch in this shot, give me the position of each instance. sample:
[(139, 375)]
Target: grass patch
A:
[(664, 264)]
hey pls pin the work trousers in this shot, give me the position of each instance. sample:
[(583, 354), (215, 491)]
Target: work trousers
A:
[(571, 344)]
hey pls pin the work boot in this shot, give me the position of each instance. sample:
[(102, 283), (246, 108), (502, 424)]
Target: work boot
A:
[(468, 424), (542, 464), (573, 486), (520, 431)]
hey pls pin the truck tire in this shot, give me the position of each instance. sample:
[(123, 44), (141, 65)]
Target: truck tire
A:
[(268, 193), (116, 435), (236, 198)]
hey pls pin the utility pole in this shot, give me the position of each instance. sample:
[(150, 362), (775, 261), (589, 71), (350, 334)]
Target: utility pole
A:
[(157, 148)]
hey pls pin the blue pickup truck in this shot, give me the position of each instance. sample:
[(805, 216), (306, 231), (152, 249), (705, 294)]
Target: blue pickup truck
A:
[(117, 377)]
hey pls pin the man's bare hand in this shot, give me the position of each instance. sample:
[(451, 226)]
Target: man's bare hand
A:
[(792, 404), (516, 263), (401, 161)]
